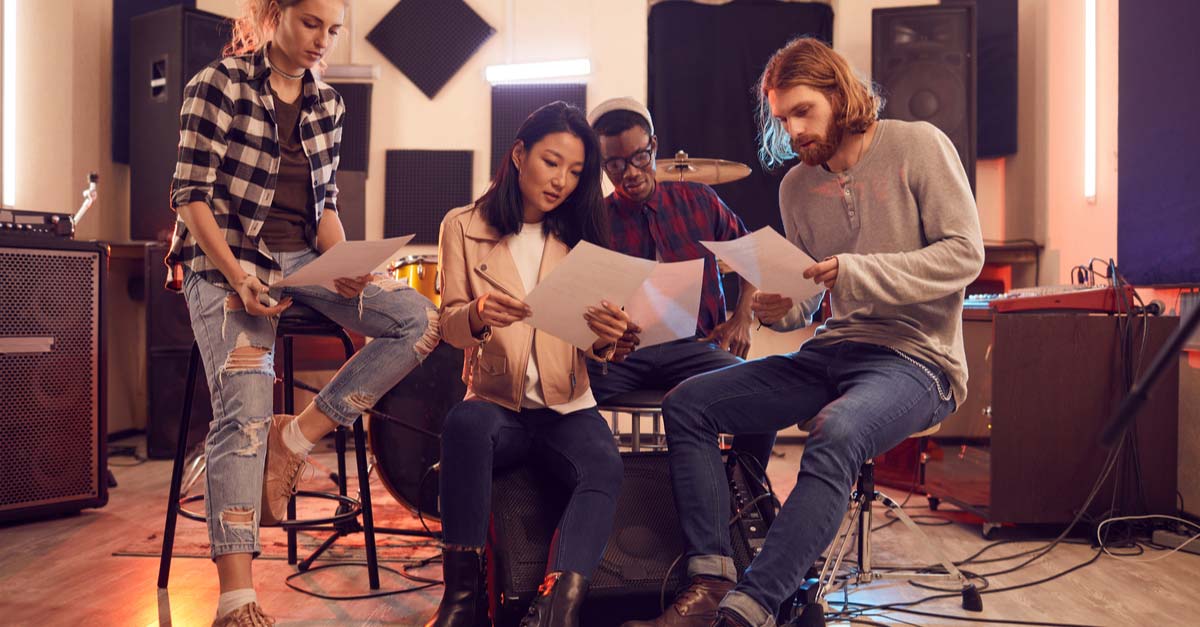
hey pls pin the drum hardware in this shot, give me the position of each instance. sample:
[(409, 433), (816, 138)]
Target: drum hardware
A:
[(708, 171)]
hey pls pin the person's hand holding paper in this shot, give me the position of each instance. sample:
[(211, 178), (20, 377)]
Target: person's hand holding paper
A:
[(771, 263), (586, 277)]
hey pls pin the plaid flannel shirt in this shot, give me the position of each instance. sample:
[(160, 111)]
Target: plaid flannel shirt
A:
[(670, 226), (229, 159)]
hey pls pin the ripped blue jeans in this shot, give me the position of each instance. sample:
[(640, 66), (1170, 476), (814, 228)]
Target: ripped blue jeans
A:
[(238, 350)]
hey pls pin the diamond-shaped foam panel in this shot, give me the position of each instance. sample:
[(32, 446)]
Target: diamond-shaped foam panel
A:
[(421, 186), (430, 40), (511, 104)]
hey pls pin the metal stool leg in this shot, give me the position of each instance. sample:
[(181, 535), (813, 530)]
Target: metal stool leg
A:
[(289, 407), (364, 496), (185, 418)]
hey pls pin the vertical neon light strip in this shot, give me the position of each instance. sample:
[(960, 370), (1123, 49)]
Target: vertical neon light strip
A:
[(1089, 100), (10, 102)]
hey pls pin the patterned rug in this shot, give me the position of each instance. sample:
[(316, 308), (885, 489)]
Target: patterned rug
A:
[(191, 537)]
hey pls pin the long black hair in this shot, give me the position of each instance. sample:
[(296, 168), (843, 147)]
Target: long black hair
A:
[(583, 215)]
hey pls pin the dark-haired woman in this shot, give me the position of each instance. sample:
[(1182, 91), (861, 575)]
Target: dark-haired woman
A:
[(528, 396)]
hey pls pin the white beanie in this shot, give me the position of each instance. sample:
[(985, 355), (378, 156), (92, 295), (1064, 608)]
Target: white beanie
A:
[(621, 104)]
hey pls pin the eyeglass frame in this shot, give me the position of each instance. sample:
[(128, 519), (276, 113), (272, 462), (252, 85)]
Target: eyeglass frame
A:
[(628, 161)]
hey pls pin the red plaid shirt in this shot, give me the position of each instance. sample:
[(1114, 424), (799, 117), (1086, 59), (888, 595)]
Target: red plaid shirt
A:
[(670, 226)]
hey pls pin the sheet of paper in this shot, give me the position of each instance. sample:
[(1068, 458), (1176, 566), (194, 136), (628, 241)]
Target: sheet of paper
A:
[(769, 262), (667, 304), (345, 259), (588, 275)]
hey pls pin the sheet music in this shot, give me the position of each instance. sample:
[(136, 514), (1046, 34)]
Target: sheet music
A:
[(586, 276), (667, 304), (769, 262), (345, 259)]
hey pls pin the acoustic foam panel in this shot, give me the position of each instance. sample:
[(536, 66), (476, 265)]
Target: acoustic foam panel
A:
[(352, 203), (421, 187), (356, 125), (511, 104), (430, 40)]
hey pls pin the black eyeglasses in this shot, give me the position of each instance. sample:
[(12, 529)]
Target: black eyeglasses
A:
[(640, 160)]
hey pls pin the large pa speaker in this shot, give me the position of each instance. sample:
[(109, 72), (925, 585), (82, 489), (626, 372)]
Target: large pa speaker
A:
[(168, 348), (52, 418), (168, 48), (123, 12), (923, 58), (644, 552)]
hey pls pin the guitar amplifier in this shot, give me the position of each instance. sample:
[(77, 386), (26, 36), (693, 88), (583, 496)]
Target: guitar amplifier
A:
[(644, 553), (52, 453)]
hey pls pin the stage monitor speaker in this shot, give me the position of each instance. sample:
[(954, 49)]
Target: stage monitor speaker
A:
[(421, 186), (430, 40), (168, 48), (356, 127), (168, 347), (511, 104), (640, 558), (52, 377), (123, 12), (923, 58)]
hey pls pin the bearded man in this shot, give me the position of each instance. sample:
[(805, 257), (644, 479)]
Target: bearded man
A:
[(886, 206)]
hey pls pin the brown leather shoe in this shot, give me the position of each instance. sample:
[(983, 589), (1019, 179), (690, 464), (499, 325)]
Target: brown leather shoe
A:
[(281, 473), (248, 615), (696, 606)]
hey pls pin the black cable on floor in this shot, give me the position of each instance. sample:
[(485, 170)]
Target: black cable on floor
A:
[(424, 582)]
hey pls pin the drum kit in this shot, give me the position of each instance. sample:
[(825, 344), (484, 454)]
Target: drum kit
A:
[(406, 456)]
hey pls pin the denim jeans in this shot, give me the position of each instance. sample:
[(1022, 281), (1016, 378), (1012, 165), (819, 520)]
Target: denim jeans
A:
[(664, 366), (479, 436), (238, 351), (862, 400)]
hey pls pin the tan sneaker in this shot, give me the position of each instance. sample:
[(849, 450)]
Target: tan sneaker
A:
[(248, 615), (281, 474)]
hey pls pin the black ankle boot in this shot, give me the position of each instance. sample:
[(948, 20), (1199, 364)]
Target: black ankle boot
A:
[(558, 601), (464, 601)]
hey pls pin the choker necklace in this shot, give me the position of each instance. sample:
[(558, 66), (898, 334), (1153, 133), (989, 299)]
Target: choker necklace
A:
[(267, 56)]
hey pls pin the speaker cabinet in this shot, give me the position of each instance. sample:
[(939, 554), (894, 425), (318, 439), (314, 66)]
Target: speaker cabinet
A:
[(924, 60), (168, 348), (641, 556), (168, 48), (52, 420), (1048, 386)]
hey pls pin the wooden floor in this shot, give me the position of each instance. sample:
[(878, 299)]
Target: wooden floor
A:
[(62, 572)]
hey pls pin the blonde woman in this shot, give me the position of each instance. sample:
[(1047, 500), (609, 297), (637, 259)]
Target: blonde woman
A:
[(256, 198)]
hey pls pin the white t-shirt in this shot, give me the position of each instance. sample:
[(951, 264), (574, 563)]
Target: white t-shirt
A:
[(526, 248)]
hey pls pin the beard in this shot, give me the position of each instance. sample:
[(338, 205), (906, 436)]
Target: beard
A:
[(821, 148)]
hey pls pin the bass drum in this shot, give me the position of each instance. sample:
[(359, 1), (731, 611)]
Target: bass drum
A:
[(404, 457)]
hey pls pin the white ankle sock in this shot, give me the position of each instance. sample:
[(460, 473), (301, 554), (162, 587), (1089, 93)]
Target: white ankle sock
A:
[(294, 439), (234, 599)]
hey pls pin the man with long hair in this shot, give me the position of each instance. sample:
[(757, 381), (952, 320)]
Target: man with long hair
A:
[(886, 207)]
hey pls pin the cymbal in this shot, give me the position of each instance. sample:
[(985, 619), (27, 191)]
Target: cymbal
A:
[(707, 171)]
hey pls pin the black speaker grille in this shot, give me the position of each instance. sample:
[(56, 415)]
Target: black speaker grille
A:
[(923, 58), (356, 127), (511, 104), (645, 539), (421, 186), (430, 40), (50, 413)]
